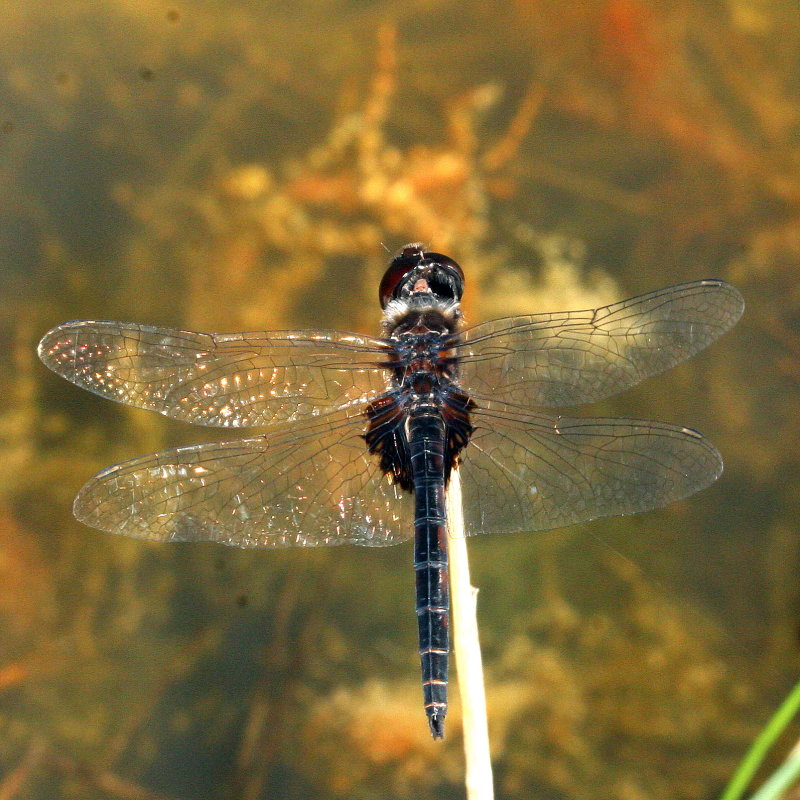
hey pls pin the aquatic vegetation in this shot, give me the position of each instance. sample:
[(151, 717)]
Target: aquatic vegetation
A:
[(175, 165)]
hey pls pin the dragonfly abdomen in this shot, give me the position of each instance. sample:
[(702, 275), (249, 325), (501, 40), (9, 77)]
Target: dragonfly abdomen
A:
[(426, 434)]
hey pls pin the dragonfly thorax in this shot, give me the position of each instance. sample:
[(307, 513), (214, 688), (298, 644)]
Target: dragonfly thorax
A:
[(419, 314), (423, 361)]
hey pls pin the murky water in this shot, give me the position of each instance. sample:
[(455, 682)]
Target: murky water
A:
[(242, 169)]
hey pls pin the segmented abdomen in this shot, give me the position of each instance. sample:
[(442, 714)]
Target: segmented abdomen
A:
[(427, 454)]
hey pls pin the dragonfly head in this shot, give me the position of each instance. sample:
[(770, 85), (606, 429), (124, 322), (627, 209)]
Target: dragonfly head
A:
[(415, 273)]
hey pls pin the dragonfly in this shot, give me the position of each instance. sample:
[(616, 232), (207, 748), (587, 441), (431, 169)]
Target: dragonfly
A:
[(361, 434)]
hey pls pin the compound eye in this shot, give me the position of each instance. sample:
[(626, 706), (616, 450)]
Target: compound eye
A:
[(446, 262), (443, 275), (443, 261), (406, 260), (446, 278)]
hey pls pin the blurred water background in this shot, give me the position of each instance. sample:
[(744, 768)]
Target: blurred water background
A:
[(240, 166)]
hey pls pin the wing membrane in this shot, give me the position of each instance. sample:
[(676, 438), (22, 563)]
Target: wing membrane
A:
[(566, 359), (225, 380), (528, 472), (307, 485)]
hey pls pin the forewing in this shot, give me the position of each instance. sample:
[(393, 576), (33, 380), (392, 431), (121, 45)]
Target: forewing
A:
[(225, 380), (565, 359), (306, 486), (528, 472)]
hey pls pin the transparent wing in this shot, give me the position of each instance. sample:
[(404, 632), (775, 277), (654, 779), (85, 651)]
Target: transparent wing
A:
[(226, 380), (305, 485), (565, 359), (528, 472)]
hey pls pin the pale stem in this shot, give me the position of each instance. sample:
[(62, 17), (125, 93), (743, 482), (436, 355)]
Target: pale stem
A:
[(468, 652)]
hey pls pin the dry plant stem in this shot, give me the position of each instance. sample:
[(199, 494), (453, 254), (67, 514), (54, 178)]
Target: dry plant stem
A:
[(468, 652)]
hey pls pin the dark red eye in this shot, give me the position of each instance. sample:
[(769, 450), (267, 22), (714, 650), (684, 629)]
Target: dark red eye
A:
[(403, 262), (410, 258)]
